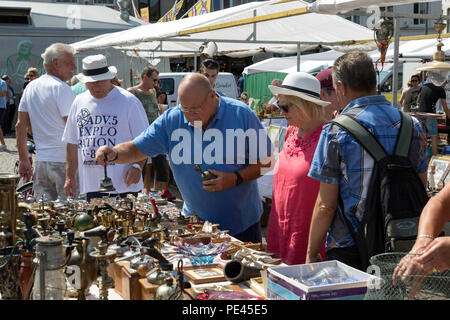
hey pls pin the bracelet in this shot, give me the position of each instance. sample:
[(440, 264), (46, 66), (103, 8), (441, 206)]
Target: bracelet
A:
[(422, 235), (117, 155)]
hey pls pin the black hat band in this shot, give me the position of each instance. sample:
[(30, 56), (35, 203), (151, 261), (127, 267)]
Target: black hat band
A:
[(94, 72)]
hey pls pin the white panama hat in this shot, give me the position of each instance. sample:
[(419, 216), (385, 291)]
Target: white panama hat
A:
[(95, 68), (302, 85)]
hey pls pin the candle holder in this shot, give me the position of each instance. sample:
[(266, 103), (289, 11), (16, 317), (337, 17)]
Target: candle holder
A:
[(103, 255)]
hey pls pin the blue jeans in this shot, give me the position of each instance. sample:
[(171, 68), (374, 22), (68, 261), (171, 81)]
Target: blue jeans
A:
[(431, 127), (252, 234)]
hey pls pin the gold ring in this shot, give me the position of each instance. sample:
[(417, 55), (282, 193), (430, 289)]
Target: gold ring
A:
[(435, 270)]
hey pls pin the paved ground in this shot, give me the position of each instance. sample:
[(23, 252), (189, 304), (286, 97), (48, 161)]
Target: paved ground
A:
[(8, 158)]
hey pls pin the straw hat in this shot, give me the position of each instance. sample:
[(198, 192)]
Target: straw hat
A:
[(95, 68)]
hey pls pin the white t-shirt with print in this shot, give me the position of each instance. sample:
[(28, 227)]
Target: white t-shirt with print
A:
[(47, 100), (92, 123)]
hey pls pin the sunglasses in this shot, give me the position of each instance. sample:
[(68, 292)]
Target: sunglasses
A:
[(285, 107), (413, 80)]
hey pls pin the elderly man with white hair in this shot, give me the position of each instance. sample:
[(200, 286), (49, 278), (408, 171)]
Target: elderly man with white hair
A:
[(44, 107), (104, 115)]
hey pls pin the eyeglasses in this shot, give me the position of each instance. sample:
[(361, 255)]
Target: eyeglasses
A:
[(195, 110), (414, 80)]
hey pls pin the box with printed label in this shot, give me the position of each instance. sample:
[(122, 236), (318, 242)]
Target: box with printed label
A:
[(329, 280)]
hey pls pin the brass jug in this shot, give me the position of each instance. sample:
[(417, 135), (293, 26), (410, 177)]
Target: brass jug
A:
[(88, 267)]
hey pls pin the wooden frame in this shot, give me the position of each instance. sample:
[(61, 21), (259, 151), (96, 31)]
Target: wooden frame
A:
[(207, 273)]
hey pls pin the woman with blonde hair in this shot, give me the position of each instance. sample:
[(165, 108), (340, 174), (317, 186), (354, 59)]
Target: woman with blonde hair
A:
[(294, 193)]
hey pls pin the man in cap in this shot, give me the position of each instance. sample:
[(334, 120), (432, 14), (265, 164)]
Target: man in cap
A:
[(44, 106), (235, 156), (103, 115), (327, 93)]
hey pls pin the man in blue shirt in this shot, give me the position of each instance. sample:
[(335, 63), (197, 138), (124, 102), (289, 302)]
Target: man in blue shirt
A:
[(3, 92), (342, 165), (221, 135)]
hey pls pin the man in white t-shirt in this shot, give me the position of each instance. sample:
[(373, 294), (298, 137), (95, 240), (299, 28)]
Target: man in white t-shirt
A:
[(44, 107), (103, 115)]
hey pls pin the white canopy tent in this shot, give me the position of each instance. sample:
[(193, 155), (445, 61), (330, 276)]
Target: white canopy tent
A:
[(309, 62), (283, 29), (420, 49)]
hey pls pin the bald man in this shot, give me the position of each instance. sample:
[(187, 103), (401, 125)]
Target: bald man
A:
[(221, 135)]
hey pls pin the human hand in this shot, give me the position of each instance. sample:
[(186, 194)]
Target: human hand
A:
[(70, 187), (436, 258), (132, 176), (223, 181), (431, 256), (105, 154), (312, 258), (25, 170)]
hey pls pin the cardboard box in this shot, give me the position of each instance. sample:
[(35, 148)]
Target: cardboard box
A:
[(283, 283)]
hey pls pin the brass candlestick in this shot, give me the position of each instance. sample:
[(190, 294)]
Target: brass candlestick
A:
[(102, 255)]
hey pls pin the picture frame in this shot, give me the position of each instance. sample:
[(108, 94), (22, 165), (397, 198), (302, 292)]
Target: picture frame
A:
[(441, 170), (207, 273)]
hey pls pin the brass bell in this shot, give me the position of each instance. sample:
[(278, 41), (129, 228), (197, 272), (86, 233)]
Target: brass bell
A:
[(106, 184)]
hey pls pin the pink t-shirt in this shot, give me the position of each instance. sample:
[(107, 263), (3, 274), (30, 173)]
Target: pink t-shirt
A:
[(293, 198)]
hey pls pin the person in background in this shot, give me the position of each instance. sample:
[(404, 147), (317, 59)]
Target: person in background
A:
[(10, 107), (429, 96), (430, 253), (327, 93), (244, 97), (44, 107), (30, 75), (145, 91), (3, 92), (412, 94), (162, 102), (294, 193), (210, 69)]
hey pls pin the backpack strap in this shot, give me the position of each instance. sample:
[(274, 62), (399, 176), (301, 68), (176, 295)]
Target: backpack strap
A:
[(364, 137), (405, 136)]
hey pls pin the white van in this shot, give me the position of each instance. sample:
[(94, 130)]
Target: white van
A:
[(170, 81)]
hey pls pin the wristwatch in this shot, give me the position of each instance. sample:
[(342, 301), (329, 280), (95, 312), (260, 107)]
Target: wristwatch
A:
[(116, 156), (137, 166), (239, 179)]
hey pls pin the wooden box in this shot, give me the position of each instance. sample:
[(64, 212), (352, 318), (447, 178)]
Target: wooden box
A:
[(125, 280), (115, 272), (147, 289), (130, 284)]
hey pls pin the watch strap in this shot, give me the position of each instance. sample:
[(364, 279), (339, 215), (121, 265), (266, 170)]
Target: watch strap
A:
[(239, 179)]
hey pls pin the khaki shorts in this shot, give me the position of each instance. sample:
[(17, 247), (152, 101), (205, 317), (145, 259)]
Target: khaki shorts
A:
[(49, 178)]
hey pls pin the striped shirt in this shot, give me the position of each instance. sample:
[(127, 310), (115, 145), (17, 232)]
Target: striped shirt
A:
[(340, 159)]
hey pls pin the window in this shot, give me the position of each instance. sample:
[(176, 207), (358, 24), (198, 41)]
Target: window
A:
[(167, 85), (107, 2), (15, 15), (420, 8)]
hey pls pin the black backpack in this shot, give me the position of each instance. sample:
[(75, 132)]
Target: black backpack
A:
[(395, 197)]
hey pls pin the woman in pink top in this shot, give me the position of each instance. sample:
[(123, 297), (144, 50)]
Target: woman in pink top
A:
[(294, 193)]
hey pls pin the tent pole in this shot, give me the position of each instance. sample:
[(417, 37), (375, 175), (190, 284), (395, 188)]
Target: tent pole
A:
[(298, 56), (395, 70), (195, 62)]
